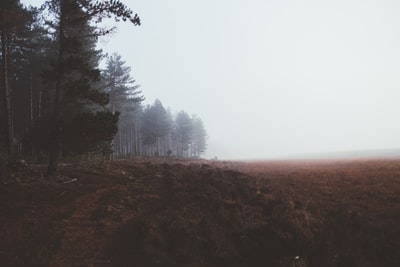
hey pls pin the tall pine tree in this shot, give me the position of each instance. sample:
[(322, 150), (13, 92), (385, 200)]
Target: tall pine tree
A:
[(74, 73), (199, 137), (125, 98), (183, 133)]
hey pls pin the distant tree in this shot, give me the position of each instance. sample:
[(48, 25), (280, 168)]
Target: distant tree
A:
[(125, 98), (183, 133), (165, 135), (73, 72), (156, 126), (127, 140), (118, 84), (199, 137), (167, 140)]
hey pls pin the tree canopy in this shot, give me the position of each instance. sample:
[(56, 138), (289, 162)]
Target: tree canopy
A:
[(58, 103)]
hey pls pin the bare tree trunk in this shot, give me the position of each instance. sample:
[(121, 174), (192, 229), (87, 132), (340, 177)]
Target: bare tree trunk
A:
[(28, 146), (115, 145), (6, 90), (111, 154), (125, 142), (132, 141), (3, 170), (55, 150), (30, 103), (136, 140), (128, 141), (135, 149), (120, 144), (39, 111)]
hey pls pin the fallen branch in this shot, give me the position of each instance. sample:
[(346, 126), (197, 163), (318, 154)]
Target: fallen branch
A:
[(71, 181)]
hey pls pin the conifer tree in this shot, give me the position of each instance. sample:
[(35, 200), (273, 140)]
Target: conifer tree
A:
[(199, 137), (124, 98), (156, 127), (10, 16), (29, 48), (183, 133), (74, 73)]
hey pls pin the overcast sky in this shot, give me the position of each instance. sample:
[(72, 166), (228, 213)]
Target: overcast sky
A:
[(271, 78)]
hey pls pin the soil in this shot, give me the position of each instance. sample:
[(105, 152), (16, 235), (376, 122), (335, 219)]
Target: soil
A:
[(155, 212)]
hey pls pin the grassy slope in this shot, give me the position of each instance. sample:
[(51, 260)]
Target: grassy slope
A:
[(343, 213)]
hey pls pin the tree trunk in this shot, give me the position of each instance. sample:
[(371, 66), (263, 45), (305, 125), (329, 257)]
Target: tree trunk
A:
[(39, 105), (3, 170), (6, 90), (30, 103), (55, 149)]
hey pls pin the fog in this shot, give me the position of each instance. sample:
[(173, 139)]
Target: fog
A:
[(271, 78)]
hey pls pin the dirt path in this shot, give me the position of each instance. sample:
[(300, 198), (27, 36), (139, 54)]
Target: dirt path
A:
[(97, 215), (79, 233)]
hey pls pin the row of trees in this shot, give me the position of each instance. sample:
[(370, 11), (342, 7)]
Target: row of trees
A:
[(151, 130), (57, 102)]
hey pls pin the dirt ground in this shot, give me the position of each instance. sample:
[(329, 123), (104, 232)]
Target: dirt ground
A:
[(203, 213)]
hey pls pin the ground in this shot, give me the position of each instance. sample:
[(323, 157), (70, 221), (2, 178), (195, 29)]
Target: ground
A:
[(146, 212)]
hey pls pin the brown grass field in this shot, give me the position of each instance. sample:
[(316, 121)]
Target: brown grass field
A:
[(204, 213)]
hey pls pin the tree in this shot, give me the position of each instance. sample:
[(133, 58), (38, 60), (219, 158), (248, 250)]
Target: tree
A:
[(199, 137), (165, 135), (156, 126), (29, 49), (118, 84), (13, 20), (183, 133), (10, 11), (125, 98), (73, 75)]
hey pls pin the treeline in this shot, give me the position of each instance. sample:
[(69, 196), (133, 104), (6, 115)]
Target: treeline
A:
[(150, 130), (56, 102)]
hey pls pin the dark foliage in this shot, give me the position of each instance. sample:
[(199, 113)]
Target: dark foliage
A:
[(87, 132)]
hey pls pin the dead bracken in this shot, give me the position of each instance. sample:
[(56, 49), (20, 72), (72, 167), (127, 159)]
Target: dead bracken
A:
[(203, 213)]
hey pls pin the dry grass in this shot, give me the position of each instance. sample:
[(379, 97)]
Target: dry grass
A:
[(354, 207), (180, 213)]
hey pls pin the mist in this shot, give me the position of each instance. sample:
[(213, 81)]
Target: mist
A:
[(272, 78), (298, 101)]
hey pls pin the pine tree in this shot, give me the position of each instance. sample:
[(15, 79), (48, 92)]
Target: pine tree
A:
[(125, 98), (199, 137), (73, 72), (10, 17), (183, 133), (29, 49), (156, 126)]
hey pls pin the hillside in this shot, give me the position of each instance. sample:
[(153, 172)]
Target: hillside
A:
[(203, 213)]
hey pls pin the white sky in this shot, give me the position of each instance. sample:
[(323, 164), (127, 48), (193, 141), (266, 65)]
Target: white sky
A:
[(271, 78)]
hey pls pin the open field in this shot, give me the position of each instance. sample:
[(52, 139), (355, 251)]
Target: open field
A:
[(204, 213)]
